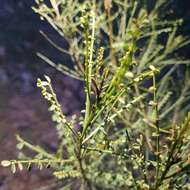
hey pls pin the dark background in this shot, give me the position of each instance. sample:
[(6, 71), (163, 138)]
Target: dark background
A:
[(20, 38), (22, 108)]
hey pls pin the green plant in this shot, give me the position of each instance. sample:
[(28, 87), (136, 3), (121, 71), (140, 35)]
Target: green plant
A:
[(131, 135)]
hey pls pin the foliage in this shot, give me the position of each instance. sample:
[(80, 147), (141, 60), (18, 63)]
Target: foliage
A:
[(131, 133)]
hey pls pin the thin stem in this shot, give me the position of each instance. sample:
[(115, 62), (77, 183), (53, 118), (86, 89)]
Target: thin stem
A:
[(43, 161), (36, 149), (88, 81), (168, 166), (157, 130), (124, 19), (85, 180), (88, 68), (65, 123), (110, 33)]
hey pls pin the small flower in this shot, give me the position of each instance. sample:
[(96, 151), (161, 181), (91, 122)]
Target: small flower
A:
[(5, 163)]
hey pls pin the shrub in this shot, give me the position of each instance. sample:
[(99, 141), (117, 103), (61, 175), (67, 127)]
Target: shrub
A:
[(131, 133)]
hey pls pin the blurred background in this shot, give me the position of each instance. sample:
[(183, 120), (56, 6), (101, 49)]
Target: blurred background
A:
[(22, 110)]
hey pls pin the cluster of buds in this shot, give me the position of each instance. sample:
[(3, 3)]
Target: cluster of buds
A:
[(63, 174), (85, 18), (50, 96)]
